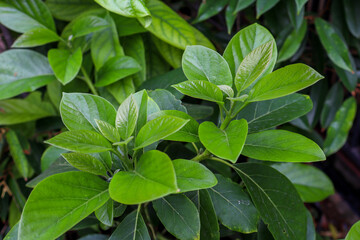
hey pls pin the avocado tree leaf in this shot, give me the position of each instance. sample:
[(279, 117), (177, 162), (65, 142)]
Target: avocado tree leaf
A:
[(63, 200), (23, 71), (233, 206), (179, 216), (227, 143), (277, 201), (68, 10), (86, 163), (202, 63), (49, 156), (153, 177), (35, 37), (166, 100), (282, 146), (339, 128), (126, 117)]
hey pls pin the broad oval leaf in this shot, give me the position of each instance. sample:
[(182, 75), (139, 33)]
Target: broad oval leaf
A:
[(192, 175), (65, 64), (23, 71), (105, 213), (282, 146), (82, 141), (284, 81), (179, 216), (227, 143), (277, 201), (245, 41), (354, 232), (36, 37), (339, 128), (86, 163), (334, 45), (126, 117), (233, 206), (153, 177), (271, 113), (80, 110), (157, 129), (200, 89), (202, 63), (63, 200), (311, 183)]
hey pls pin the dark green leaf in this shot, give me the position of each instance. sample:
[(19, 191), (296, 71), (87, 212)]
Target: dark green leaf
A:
[(49, 156), (263, 6), (230, 16), (332, 104), (68, 10), (17, 154), (166, 100), (208, 220), (170, 53), (352, 8), (122, 89), (105, 213), (210, 8), (300, 4)]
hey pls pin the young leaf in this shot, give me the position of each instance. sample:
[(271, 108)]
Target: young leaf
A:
[(352, 8), (233, 206), (263, 6), (354, 232), (209, 228), (17, 154), (157, 129), (108, 131), (334, 45), (105, 213), (271, 113), (132, 227), (339, 128), (200, 89), (116, 68), (126, 117), (68, 10), (192, 175), (227, 143), (82, 141), (209, 8), (64, 200), (311, 183), (282, 146), (332, 104), (179, 216), (35, 37), (253, 66), (65, 64), (246, 41), (277, 201), (284, 81), (201, 63), (23, 71), (153, 177), (88, 24), (85, 163), (79, 111)]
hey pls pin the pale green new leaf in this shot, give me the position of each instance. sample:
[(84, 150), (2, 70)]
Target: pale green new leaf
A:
[(352, 8), (108, 131), (35, 37), (126, 117), (86, 163)]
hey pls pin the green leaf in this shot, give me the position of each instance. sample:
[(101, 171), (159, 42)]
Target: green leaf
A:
[(128, 8), (23, 71), (122, 89), (105, 213), (292, 43), (166, 100), (80, 110), (332, 104), (276, 199), (116, 68), (85, 163), (271, 113), (284, 81), (296, 17), (339, 128), (25, 15), (132, 227), (126, 117), (201, 63), (209, 8), (227, 90), (36, 37), (263, 6), (200, 89), (179, 216), (352, 7), (157, 129), (49, 156), (347, 78), (68, 10), (300, 4), (65, 64), (209, 228), (108, 131), (171, 54), (88, 24), (245, 41), (227, 143), (311, 183), (230, 16), (63, 200), (168, 26), (153, 177), (127, 26), (282, 146), (192, 175), (13, 233), (334, 45), (14, 111), (17, 154), (253, 66), (233, 206), (354, 232), (82, 141), (242, 4)]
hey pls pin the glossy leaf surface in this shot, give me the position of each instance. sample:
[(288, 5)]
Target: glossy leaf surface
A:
[(35, 37), (85, 163), (126, 118)]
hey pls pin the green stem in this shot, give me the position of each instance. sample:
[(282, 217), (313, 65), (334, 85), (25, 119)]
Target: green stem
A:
[(222, 161), (88, 81), (205, 155), (195, 147), (125, 160)]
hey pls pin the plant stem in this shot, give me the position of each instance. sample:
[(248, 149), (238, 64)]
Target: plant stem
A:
[(205, 155), (88, 81), (195, 147), (222, 161), (125, 160)]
